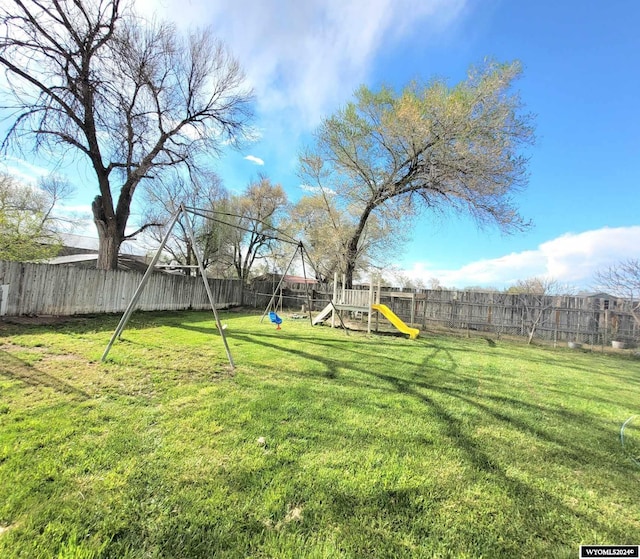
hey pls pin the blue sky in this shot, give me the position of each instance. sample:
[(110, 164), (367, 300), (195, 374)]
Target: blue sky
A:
[(581, 79)]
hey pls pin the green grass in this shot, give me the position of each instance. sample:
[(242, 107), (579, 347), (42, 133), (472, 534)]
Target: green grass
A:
[(318, 445)]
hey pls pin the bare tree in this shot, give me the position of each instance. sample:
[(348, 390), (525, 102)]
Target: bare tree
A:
[(255, 214), (200, 191), (134, 98), (535, 296), (623, 280), (431, 147)]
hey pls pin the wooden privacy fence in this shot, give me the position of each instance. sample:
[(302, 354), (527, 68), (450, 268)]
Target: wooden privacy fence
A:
[(261, 292), (43, 289), (592, 320)]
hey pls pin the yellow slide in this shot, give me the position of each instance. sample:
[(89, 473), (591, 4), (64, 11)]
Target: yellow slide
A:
[(396, 321)]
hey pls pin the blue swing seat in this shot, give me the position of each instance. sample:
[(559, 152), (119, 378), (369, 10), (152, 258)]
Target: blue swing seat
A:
[(273, 317)]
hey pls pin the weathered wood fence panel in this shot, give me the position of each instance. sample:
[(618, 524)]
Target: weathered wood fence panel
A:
[(42, 289), (261, 293), (554, 318)]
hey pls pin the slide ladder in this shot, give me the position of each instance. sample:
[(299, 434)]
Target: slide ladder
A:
[(396, 321)]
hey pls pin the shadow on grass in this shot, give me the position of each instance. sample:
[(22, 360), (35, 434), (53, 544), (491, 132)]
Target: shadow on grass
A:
[(417, 385), (587, 441), (424, 510), (13, 368), (333, 365)]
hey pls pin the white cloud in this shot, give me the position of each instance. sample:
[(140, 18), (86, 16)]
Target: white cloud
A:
[(307, 57), (254, 159), (75, 208), (23, 170), (316, 189), (572, 259)]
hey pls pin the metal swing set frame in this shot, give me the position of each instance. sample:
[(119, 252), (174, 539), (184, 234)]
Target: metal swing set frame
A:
[(184, 211)]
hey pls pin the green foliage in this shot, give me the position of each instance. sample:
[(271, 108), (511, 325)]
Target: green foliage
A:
[(202, 190), (318, 445), (326, 229), (444, 148), (26, 230)]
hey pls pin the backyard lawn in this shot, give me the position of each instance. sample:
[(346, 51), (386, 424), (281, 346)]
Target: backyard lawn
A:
[(319, 444)]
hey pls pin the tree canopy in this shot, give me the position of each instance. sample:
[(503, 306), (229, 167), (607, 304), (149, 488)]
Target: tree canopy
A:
[(254, 215), (28, 229), (202, 191), (436, 147), (326, 229)]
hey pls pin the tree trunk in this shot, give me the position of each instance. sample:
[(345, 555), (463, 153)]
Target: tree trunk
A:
[(352, 247), (108, 250), (188, 270), (349, 271), (109, 237)]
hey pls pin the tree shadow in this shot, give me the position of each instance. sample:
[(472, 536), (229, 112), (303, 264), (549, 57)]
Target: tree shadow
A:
[(424, 381), (16, 369), (501, 409), (413, 384), (331, 364)]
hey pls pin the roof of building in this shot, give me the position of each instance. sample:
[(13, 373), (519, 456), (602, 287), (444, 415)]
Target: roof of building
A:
[(86, 243), (596, 295), (288, 279), (125, 261), (300, 279)]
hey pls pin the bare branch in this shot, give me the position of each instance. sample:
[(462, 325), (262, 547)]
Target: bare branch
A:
[(135, 98)]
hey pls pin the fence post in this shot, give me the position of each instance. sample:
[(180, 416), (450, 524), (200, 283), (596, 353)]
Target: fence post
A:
[(378, 302), (413, 307), (4, 299), (370, 304), (335, 299)]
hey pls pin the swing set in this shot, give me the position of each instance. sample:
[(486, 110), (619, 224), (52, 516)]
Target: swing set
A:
[(183, 213)]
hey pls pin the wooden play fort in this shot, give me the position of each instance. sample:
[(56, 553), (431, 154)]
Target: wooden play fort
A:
[(363, 301)]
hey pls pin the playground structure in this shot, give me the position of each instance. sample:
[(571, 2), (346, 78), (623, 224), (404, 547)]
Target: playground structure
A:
[(351, 300), (181, 212), (362, 301)]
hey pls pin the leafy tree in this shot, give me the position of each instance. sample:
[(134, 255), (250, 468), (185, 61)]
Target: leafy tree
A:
[(28, 228), (323, 229), (623, 280), (133, 98), (431, 147), (326, 225), (217, 234), (532, 286)]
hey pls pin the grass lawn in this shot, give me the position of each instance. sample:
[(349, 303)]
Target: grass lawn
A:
[(318, 445)]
